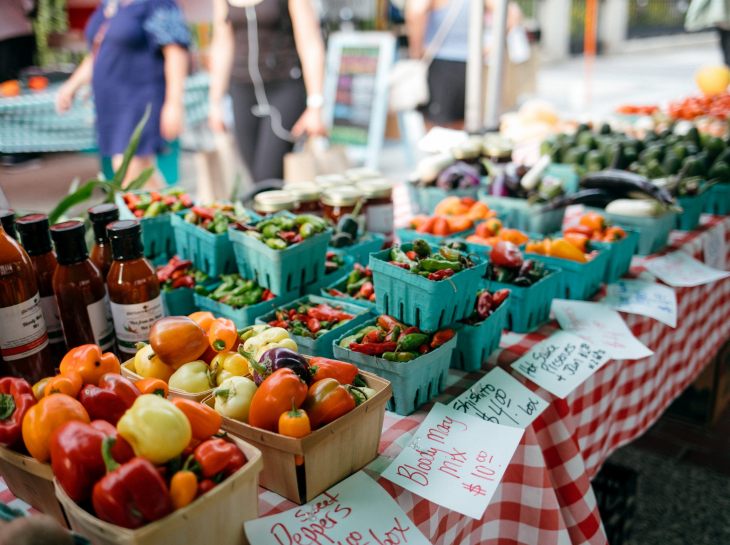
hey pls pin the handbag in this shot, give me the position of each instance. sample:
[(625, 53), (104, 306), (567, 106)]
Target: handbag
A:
[(409, 77)]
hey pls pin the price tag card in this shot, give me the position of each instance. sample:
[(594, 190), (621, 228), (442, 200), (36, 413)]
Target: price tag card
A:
[(356, 511), (601, 326), (714, 248), (456, 460), (561, 362), (646, 298), (681, 270), (501, 399)]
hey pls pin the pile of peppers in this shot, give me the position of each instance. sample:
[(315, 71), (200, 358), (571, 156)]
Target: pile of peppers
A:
[(216, 217), (179, 273), (394, 341), (431, 265), (507, 265), (359, 285), (310, 320), (280, 232), (155, 203), (333, 262), (236, 291), (485, 305)]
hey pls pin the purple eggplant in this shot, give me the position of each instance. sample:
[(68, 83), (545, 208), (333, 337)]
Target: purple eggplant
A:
[(280, 358), (460, 175)]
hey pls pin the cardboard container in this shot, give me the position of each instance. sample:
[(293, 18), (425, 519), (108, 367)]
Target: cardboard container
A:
[(217, 517), (718, 201), (579, 281), (342, 286), (409, 235), (331, 453), (32, 482), (361, 250), (129, 371), (529, 307), (654, 231), (620, 254), (474, 343), (692, 209)]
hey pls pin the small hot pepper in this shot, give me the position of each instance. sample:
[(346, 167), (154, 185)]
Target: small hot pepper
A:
[(373, 349), (69, 383), (442, 337), (183, 487), (326, 401), (39, 388), (152, 386), (499, 296), (88, 361), (213, 455), (341, 371), (16, 398), (222, 334), (295, 423), (273, 397), (110, 400), (411, 342)]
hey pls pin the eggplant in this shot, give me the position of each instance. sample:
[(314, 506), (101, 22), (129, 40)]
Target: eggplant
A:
[(621, 181), (597, 198), (280, 358)]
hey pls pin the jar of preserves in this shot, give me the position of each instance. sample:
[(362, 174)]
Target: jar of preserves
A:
[(326, 181), (378, 207), (497, 149), (468, 151), (271, 202), (307, 196), (338, 201), (362, 173)]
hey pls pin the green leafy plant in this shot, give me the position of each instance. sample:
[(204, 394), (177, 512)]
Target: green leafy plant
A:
[(111, 188)]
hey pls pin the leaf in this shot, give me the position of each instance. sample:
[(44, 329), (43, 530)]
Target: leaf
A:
[(7, 406), (131, 148), (74, 185), (77, 197), (141, 180)]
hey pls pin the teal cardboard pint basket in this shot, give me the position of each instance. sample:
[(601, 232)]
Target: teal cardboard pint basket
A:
[(341, 286), (474, 343), (718, 200), (334, 277), (425, 199), (620, 254), (427, 304), (413, 382), (518, 214), (409, 235), (692, 208), (529, 307), (361, 250), (244, 316), (579, 281), (654, 232)]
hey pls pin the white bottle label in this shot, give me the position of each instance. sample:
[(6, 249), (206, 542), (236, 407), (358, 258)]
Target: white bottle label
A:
[(132, 323), (53, 321), (100, 316), (379, 218), (23, 330)]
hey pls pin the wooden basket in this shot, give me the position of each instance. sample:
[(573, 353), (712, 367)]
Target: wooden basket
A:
[(129, 371), (217, 517), (331, 453), (32, 482)]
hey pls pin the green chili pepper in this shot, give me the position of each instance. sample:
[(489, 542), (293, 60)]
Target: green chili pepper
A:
[(355, 275), (318, 223), (406, 356), (411, 342), (320, 333), (297, 331), (255, 234), (201, 290), (346, 341), (155, 209), (270, 231), (390, 356), (286, 224), (503, 275), (450, 254), (433, 265), (250, 298), (421, 247), (276, 244), (396, 254), (352, 289), (306, 230)]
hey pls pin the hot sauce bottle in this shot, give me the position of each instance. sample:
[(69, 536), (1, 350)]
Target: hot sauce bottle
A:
[(133, 287), (101, 254), (36, 238), (83, 304), (24, 350), (7, 217)]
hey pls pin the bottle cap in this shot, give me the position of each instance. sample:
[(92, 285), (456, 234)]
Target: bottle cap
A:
[(126, 239), (7, 217), (102, 215), (35, 234), (70, 242)]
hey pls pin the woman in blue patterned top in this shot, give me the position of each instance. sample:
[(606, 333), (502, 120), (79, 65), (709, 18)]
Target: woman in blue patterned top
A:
[(138, 57)]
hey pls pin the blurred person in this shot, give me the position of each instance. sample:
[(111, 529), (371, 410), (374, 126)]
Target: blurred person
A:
[(34, 530), (704, 14), (17, 40), (285, 69), (138, 57), (447, 73)]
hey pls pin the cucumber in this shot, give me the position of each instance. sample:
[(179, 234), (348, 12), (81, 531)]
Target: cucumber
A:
[(638, 208)]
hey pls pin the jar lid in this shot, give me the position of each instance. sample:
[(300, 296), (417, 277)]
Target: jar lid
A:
[(377, 188), (304, 191), (70, 243), (495, 145), (341, 196), (35, 233), (102, 215), (470, 149), (126, 239), (362, 173), (276, 200), (331, 180), (7, 218)]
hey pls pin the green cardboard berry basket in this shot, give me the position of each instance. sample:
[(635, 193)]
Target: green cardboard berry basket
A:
[(322, 346), (281, 271), (718, 200), (409, 235), (210, 252), (340, 274), (654, 232), (244, 316), (427, 304), (474, 343), (341, 285), (414, 382), (620, 254), (361, 250), (692, 208), (424, 199), (579, 281), (529, 307), (518, 214)]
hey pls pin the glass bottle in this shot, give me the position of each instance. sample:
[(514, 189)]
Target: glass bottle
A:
[(338, 201), (133, 287), (35, 235), (307, 197), (83, 304), (7, 217), (24, 350), (277, 200), (378, 208), (101, 254)]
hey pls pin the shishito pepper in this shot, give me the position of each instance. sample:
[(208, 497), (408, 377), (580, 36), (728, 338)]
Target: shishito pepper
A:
[(110, 399), (16, 398), (274, 396), (89, 362), (156, 429), (45, 417), (132, 494), (326, 401)]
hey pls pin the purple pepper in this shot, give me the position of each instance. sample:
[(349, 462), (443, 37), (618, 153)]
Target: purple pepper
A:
[(280, 358)]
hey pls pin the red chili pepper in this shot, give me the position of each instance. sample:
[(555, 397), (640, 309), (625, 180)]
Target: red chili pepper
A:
[(301, 317), (372, 297), (498, 297), (323, 313), (169, 200), (138, 213), (373, 349), (366, 290), (205, 213), (185, 199), (442, 337), (405, 266), (329, 255), (423, 349), (374, 337), (131, 199), (155, 196), (413, 256), (206, 485), (297, 239), (292, 313), (314, 325), (186, 281), (336, 293), (267, 296), (368, 272), (440, 275), (359, 268)]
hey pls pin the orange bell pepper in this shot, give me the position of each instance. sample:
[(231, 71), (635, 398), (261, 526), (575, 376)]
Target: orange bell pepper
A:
[(70, 384), (274, 396), (88, 361), (326, 401), (204, 421), (576, 239), (593, 221), (152, 385), (514, 236), (565, 250), (418, 220), (203, 319), (448, 206), (44, 418), (222, 334), (458, 223), (478, 211)]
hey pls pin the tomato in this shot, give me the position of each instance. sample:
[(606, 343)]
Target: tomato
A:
[(506, 254)]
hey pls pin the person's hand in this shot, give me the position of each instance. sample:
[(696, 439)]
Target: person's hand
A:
[(215, 117), (34, 530), (311, 123), (65, 97), (171, 120)]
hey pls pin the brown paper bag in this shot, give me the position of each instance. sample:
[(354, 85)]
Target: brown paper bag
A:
[(312, 160)]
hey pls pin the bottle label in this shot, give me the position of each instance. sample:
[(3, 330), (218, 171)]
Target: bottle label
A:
[(52, 319), (23, 331), (379, 218), (133, 322), (100, 316)]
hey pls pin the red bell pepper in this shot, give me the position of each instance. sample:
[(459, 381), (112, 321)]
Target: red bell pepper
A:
[(16, 397), (132, 494), (76, 455), (214, 455), (110, 400), (322, 368)]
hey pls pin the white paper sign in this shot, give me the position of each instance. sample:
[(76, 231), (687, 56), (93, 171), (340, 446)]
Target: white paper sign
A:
[(646, 298), (714, 248), (601, 326), (356, 511), (456, 460), (501, 399), (561, 363), (681, 270)]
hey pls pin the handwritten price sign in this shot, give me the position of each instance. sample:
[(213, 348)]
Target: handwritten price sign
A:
[(650, 299), (355, 512), (714, 247), (456, 460), (561, 362), (500, 398), (681, 270)]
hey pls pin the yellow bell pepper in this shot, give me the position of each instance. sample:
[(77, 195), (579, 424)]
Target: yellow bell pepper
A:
[(148, 365), (155, 428), (271, 335), (565, 250), (227, 365), (233, 397), (285, 343), (193, 377)]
